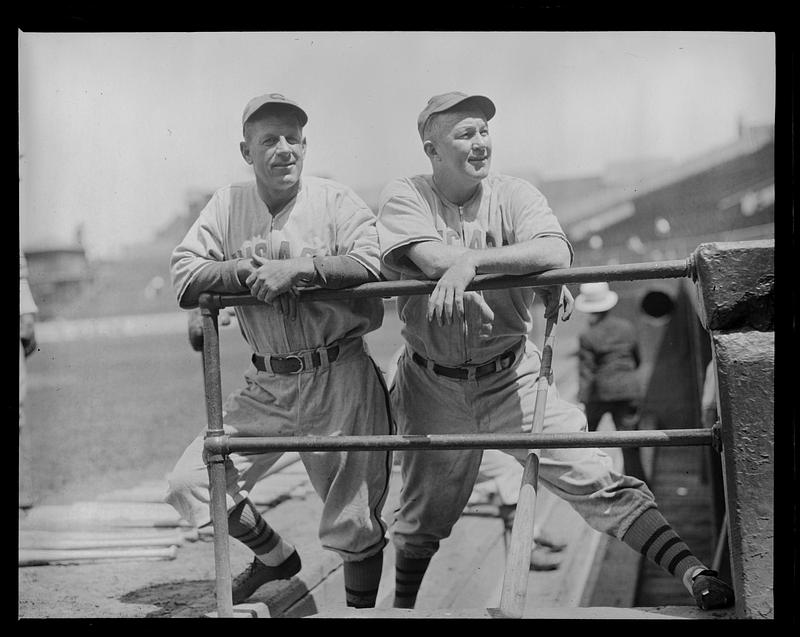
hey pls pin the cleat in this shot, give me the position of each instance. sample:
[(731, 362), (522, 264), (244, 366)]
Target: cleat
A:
[(544, 559), (257, 574), (549, 541), (710, 592)]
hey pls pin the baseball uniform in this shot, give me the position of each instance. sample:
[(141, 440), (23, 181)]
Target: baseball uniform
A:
[(497, 392), (339, 392)]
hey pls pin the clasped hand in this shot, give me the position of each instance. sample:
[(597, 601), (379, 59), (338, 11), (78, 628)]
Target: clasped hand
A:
[(276, 281)]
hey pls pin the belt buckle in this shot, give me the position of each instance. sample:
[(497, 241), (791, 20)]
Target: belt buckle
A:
[(300, 362)]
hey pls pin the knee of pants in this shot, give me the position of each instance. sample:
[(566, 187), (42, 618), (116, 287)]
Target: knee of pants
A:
[(185, 486), (182, 481)]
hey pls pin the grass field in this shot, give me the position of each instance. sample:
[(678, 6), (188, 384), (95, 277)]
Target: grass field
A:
[(110, 412)]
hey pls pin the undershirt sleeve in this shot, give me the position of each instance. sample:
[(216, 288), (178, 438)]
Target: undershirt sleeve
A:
[(213, 276)]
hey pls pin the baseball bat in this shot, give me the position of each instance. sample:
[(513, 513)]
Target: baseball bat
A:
[(42, 557), (515, 579), (55, 543)]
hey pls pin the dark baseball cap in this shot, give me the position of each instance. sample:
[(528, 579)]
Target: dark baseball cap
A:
[(446, 101), (272, 98)]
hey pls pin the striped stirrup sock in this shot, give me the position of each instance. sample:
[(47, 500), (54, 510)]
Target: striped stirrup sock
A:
[(246, 525), (408, 578), (652, 536), (361, 581)]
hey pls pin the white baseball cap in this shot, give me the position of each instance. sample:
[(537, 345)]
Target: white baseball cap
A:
[(595, 297), (273, 98)]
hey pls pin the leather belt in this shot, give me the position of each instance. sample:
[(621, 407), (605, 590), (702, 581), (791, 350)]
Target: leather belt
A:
[(293, 364), (504, 361)]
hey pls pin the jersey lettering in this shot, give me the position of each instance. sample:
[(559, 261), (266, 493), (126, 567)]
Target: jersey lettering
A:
[(256, 245), (285, 251), (451, 237), (477, 241)]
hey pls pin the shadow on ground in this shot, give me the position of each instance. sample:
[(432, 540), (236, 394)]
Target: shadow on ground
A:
[(192, 598), (197, 598)]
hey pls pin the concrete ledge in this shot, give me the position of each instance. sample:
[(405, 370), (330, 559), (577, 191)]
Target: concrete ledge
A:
[(735, 284)]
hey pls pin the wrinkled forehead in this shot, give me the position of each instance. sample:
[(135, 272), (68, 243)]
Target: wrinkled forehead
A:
[(449, 120)]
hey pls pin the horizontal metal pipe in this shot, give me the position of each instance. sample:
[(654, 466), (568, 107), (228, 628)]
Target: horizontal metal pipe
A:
[(651, 438), (674, 269)]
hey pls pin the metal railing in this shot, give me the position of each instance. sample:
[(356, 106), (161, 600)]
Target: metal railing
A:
[(218, 444)]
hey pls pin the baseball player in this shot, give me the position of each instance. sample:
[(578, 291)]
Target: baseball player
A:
[(310, 372), (498, 479), (468, 366)]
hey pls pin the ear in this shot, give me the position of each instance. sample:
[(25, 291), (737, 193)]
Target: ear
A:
[(430, 149), (245, 150), (303, 145)]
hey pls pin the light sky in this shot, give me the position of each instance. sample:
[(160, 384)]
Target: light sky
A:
[(116, 128)]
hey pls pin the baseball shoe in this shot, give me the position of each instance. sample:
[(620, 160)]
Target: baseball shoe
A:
[(710, 592), (549, 541), (257, 574), (544, 559), (507, 513)]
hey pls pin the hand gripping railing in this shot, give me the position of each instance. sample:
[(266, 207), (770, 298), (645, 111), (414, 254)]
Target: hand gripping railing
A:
[(218, 445)]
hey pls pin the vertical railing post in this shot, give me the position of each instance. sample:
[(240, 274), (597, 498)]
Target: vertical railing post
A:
[(216, 462), (515, 579)]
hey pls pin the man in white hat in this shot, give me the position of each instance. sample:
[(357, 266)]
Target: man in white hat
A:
[(608, 359)]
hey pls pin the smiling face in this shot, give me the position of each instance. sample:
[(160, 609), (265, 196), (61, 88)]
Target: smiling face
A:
[(274, 145), (459, 146)]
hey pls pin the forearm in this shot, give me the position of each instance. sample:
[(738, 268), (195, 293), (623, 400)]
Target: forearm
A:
[(536, 255), (335, 272), (215, 276)]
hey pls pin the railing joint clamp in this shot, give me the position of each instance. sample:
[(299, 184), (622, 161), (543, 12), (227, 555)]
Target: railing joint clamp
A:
[(716, 437), (218, 440)]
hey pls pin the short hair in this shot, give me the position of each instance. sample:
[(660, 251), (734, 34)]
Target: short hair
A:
[(433, 127), (270, 110), (436, 123)]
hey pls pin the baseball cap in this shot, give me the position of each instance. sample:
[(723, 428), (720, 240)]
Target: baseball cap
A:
[(446, 101), (272, 98)]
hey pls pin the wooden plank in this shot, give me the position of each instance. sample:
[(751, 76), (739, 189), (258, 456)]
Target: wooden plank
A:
[(65, 543), (41, 557), (614, 577), (33, 536), (94, 515), (594, 613)]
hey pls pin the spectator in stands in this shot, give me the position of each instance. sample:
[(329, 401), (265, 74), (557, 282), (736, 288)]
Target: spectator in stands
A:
[(608, 360)]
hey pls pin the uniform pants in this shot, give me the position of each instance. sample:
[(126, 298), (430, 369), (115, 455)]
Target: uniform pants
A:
[(437, 484), (343, 398), (626, 418)]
